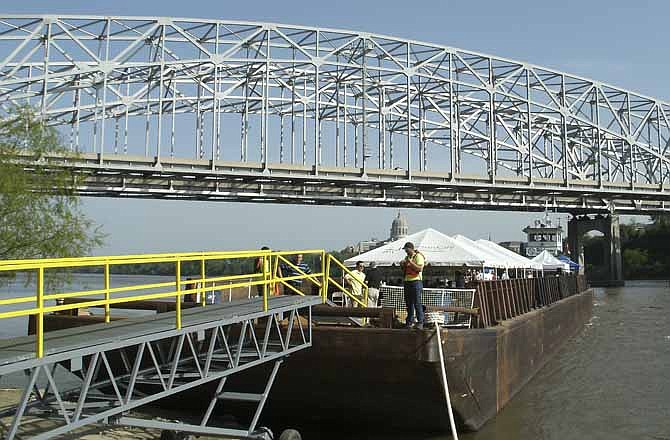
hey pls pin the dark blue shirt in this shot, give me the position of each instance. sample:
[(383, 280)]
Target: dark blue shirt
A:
[(288, 271)]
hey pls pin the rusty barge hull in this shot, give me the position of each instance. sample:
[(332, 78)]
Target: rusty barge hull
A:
[(391, 378)]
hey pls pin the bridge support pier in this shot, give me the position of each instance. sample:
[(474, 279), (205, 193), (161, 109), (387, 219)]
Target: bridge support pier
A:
[(612, 273)]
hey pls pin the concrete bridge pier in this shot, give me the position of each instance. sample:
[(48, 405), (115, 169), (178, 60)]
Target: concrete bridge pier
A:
[(611, 273)]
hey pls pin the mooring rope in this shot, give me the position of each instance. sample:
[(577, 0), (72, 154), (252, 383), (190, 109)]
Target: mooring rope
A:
[(437, 318)]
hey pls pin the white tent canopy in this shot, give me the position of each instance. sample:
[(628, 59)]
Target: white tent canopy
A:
[(492, 259), (438, 248), (516, 260), (549, 262)]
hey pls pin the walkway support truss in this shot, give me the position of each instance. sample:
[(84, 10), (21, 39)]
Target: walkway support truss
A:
[(102, 383)]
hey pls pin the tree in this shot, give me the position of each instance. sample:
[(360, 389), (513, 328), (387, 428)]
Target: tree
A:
[(661, 221), (40, 214), (635, 262)]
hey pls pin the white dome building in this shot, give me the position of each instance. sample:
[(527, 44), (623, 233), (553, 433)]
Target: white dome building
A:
[(399, 227)]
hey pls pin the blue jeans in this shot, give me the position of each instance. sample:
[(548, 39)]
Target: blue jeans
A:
[(413, 290)]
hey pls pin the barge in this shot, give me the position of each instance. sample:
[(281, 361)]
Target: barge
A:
[(390, 377)]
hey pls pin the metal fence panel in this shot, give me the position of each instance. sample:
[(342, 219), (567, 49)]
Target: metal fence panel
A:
[(393, 296)]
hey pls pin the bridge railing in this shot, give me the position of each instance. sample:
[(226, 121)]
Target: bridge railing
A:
[(266, 269)]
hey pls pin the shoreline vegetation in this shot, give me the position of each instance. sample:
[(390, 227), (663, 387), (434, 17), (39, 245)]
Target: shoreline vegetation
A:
[(644, 250), (238, 266), (49, 223)]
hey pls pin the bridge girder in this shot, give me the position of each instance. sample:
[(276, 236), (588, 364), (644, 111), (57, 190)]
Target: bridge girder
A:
[(213, 91)]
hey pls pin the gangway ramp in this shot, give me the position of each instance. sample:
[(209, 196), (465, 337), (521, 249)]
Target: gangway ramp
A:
[(98, 374)]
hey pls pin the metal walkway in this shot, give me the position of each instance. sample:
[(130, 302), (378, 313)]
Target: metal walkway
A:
[(96, 374)]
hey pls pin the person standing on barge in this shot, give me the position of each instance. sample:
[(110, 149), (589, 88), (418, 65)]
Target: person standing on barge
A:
[(356, 280), (373, 278), (412, 267), (295, 271)]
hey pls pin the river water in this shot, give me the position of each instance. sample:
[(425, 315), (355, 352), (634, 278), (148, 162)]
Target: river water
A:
[(610, 382)]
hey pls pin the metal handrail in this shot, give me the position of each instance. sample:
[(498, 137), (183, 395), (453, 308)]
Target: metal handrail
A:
[(48, 263), (267, 279), (363, 303)]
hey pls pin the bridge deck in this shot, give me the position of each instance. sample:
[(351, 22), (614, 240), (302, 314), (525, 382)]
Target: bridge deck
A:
[(15, 350)]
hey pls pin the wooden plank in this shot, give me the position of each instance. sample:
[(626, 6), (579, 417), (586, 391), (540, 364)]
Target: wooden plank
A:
[(500, 295), (522, 294), (486, 321), (527, 294), (513, 294), (554, 289), (158, 306), (547, 291), (508, 302), (358, 312), (477, 304), (518, 288), (453, 309), (486, 298), (495, 300)]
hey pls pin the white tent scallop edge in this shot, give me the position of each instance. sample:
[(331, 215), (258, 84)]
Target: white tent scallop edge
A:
[(549, 262), (517, 261), (439, 250), (443, 250), (492, 259)]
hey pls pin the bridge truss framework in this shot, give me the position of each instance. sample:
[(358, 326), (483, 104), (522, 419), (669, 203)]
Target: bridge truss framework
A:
[(225, 110)]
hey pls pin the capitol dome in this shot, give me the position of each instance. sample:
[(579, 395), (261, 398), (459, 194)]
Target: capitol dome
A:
[(399, 227)]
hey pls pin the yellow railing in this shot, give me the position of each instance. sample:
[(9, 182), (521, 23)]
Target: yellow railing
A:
[(270, 276), (345, 271), (37, 304)]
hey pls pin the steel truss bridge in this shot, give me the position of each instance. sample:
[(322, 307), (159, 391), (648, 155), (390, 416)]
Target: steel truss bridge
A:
[(239, 111)]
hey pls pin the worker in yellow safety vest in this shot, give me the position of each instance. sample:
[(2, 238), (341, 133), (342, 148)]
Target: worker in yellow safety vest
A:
[(412, 267)]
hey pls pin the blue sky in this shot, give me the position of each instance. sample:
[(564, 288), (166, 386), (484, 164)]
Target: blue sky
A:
[(619, 42)]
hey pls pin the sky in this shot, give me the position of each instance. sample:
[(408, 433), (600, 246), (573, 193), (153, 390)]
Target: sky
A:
[(623, 43)]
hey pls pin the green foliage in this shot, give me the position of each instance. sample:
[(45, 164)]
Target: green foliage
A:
[(594, 250), (645, 248), (344, 254), (40, 215), (635, 262), (661, 221), (213, 268)]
